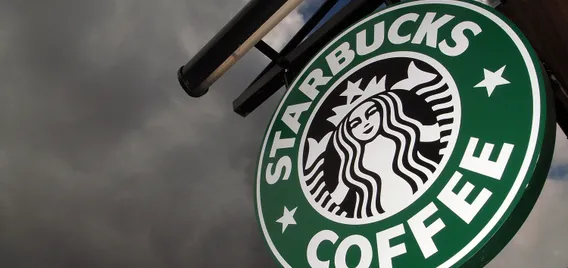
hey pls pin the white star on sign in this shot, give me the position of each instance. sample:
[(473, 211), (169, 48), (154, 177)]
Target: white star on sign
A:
[(287, 218), (352, 90), (492, 80)]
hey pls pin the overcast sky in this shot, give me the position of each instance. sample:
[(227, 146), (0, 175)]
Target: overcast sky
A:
[(106, 162)]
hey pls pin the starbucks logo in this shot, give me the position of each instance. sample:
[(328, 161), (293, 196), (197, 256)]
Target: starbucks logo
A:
[(421, 136), (379, 138)]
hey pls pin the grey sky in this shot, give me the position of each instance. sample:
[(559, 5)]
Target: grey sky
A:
[(106, 162)]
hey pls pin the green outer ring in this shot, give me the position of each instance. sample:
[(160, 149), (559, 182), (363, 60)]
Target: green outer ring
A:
[(511, 225), (507, 227)]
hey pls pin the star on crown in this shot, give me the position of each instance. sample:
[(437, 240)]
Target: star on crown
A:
[(356, 96)]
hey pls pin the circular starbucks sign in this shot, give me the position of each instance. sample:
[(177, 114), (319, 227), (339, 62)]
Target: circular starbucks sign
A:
[(420, 137)]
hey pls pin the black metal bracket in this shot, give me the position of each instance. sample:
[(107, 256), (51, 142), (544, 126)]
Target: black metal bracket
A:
[(192, 75), (272, 54), (297, 53), (301, 34)]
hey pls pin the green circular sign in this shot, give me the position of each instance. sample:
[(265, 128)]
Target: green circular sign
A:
[(420, 137)]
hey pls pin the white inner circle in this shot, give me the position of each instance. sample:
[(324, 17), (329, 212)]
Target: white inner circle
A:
[(398, 197)]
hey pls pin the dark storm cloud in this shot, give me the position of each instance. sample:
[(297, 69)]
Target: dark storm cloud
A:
[(104, 160)]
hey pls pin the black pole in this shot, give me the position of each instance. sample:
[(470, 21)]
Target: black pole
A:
[(273, 78), (302, 33), (269, 52), (237, 31)]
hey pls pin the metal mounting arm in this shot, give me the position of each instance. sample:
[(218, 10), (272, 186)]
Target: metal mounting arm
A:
[(273, 78)]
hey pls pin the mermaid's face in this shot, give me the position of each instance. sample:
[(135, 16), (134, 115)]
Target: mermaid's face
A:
[(364, 122)]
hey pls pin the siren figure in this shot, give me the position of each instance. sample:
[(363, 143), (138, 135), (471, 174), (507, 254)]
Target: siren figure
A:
[(382, 161)]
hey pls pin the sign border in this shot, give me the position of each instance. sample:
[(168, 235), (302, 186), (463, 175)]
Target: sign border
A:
[(534, 165)]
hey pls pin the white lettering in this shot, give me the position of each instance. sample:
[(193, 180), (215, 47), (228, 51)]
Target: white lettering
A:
[(457, 203), (423, 233), (292, 115), (340, 58), (283, 164), (378, 39), (482, 164), (314, 79), (312, 252), (458, 35), (394, 36), (429, 29), (385, 251), (279, 143), (354, 240)]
